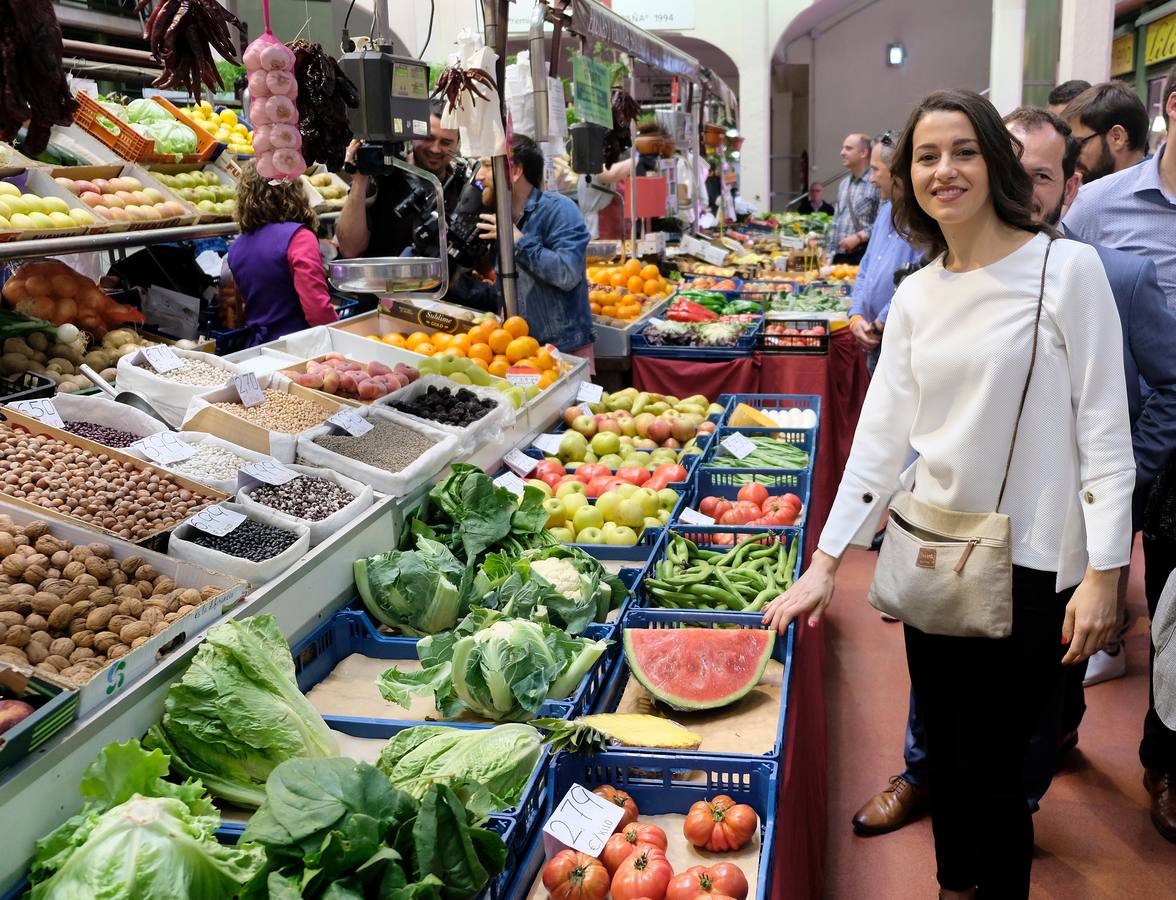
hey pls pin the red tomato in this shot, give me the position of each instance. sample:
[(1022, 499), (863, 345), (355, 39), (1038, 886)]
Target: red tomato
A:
[(623, 844), (646, 873), (752, 509), (599, 485), (722, 539), (721, 507), (720, 824), (722, 880), (551, 479), (615, 482), (708, 504), (792, 500), (575, 876), (621, 799), (581, 476), (633, 474), (733, 517), (772, 504), (753, 491), (673, 471), (546, 466), (758, 523), (591, 470)]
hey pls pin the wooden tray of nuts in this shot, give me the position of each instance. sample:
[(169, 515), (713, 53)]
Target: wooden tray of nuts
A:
[(55, 473), (96, 615)]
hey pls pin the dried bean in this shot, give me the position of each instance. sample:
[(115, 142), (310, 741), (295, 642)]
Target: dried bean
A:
[(250, 540), (303, 497), (194, 372), (211, 461), (389, 446), (111, 437), (280, 412)]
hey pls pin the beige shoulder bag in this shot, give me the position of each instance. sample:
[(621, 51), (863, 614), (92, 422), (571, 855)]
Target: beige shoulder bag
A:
[(947, 572)]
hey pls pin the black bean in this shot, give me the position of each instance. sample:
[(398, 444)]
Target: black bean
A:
[(250, 540)]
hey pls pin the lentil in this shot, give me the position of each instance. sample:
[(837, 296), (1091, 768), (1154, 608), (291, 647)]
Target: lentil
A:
[(211, 461), (91, 431), (254, 541), (387, 446), (304, 497), (280, 412), (194, 372)]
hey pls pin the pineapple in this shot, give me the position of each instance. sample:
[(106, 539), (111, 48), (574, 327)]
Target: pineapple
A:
[(597, 732)]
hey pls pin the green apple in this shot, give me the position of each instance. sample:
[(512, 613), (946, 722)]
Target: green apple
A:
[(640, 458), (589, 536), (612, 460), (649, 500), (625, 491), (607, 503), (605, 442), (573, 503), (556, 514), (563, 534), (668, 498), (587, 517), (460, 378), (591, 457), (652, 522), (663, 516), (630, 512), (542, 485), (623, 536), (573, 446), (570, 487)]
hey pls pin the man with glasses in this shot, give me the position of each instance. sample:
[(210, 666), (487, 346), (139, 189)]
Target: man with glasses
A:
[(1111, 126), (857, 204)]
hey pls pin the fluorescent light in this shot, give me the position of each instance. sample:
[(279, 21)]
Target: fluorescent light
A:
[(895, 54)]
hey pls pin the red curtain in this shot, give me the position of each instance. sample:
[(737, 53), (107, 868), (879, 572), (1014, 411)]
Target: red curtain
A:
[(683, 378)]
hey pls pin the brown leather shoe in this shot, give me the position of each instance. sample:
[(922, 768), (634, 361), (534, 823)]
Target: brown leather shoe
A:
[(1163, 801), (891, 809)]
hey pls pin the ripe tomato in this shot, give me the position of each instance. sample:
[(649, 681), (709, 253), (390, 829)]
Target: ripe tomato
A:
[(723, 539), (598, 485), (720, 824), (672, 471), (656, 482), (708, 504), (633, 837), (722, 507), (709, 882), (550, 478), (633, 474), (546, 466), (792, 500), (645, 873), (753, 491), (750, 506), (621, 799), (733, 517), (575, 876), (592, 470)]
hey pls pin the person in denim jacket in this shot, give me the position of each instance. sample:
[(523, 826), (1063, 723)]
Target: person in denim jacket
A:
[(551, 243)]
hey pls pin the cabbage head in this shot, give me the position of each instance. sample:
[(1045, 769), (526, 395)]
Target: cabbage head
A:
[(145, 110), (416, 591), (172, 137)]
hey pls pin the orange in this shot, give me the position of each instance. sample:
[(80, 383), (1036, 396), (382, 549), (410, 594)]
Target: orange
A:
[(544, 359), (546, 379), (499, 340), (629, 300), (441, 340), (619, 279), (652, 287), (417, 337), (517, 349), (594, 308), (499, 367), (454, 350), (395, 339), (632, 267), (425, 348), (461, 340), (648, 272), (480, 363), (480, 351), (480, 334), (610, 311), (636, 285), (517, 326)]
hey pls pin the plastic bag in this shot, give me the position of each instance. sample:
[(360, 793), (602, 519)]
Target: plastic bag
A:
[(180, 546), (169, 398), (520, 102), (273, 108), (320, 529), (486, 430), (479, 123)]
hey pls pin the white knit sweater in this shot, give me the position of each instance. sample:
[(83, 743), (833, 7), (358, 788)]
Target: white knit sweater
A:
[(953, 365)]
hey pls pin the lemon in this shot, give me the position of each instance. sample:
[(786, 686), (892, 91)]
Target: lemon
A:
[(228, 117)]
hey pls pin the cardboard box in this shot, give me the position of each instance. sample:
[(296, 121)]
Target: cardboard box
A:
[(89, 173), (38, 182), (223, 177)]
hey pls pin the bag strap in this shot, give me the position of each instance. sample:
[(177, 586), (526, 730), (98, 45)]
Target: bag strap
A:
[(852, 212), (1032, 362)]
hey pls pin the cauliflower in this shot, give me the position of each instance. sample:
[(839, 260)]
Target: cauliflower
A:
[(561, 574)]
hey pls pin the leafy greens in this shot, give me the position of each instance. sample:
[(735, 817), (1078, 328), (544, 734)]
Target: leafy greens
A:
[(416, 591)]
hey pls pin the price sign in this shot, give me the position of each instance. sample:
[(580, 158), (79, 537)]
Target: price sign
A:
[(268, 471), (217, 521), (692, 516), (716, 256), (589, 392), (585, 410), (525, 379), (590, 91), (738, 445), (581, 821), (511, 482), (548, 443), (519, 463), (247, 389), (354, 424), (42, 410), (161, 358), (164, 448)]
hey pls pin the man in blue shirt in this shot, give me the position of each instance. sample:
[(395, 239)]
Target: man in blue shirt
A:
[(550, 253), (886, 253)]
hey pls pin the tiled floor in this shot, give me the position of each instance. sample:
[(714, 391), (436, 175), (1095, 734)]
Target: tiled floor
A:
[(1094, 839)]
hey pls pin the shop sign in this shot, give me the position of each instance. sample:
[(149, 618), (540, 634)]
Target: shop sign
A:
[(591, 92), (671, 15), (1123, 54), (1161, 40)]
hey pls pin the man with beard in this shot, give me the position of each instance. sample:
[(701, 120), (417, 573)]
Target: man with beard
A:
[(1111, 126)]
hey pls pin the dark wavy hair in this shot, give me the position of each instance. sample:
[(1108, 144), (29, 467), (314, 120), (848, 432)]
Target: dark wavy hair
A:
[(1009, 184)]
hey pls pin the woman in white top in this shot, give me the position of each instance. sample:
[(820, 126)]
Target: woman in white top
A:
[(948, 384)]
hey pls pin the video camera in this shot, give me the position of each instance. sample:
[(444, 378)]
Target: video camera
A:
[(465, 247)]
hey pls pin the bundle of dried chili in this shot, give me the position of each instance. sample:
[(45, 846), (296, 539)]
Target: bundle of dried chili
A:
[(182, 34), (33, 87), (324, 95)]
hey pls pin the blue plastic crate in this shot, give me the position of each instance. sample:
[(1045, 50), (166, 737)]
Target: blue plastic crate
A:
[(345, 307), (690, 461), (774, 401), (659, 785), (230, 341), (610, 698), (726, 483), (744, 346), (805, 439), (351, 631)]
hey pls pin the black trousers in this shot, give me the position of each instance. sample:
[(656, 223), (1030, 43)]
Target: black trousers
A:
[(1157, 750), (981, 699), (852, 258)]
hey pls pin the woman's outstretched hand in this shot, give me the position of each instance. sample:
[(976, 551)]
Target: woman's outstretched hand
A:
[(809, 596)]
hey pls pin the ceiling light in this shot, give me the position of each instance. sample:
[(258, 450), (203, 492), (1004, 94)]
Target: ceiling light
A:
[(895, 54)]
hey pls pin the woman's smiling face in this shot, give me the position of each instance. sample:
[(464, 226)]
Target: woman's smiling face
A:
[(948, 175)]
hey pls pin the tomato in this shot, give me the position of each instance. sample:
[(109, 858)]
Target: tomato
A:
[(720, 824), (772, 504), (634, 836), (672, 471), (723, 539), (722, 507), (709, 882), (592, 470), (575, 876), (550, 479), (598, 485), (792, 500), (657, 482), (753, 491), (645, 873), (761, 522), (621, 799), (751, 507), (708, 504), (580, 475), (546, 466), (733, 517), (633, 474)]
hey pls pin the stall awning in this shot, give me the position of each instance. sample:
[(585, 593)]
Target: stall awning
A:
[(593, 20)]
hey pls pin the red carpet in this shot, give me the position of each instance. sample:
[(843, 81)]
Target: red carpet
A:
[(1094, 838)]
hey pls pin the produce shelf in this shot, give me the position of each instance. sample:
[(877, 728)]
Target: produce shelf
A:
[(805, 439), (726, 483)]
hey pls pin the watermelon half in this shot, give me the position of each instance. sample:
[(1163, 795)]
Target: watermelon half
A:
[(698, 668)]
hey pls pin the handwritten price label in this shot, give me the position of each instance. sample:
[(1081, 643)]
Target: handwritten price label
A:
[(355, 425), (268, 471), (738, 445), (692, 516), (247, 389), (581, 821), (589, 392), (522, 379), (217, 521), (164, 448), (519, 463), (161, 358), (42, 410), (548, 443), (511, 482)]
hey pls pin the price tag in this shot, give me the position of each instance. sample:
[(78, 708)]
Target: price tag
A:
[(268, 471), (692, 516), (164, 448), (511, 482), (548, 443), (589, 392), (581, 821), (524, 379), (585, 410), (217, 521), (738, 445), (161, 358), (519, 463), (351, 422), (42, 410), (247, 389)]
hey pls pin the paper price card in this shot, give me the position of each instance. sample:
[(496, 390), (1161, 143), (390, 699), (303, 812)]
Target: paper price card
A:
[(161, 358), (548, 443), (42, 410), (519, 463), (355, 425), (216, 520), (268, 471), (582, 821), (692, 516), (589, 392), (738, 445), (511, 482), (526, 378), (247, 389), (164, 448)]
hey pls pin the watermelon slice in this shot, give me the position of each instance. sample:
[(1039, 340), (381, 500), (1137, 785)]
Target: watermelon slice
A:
[(698, 668)]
